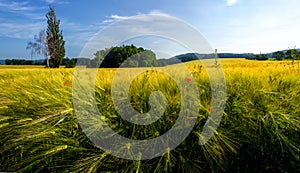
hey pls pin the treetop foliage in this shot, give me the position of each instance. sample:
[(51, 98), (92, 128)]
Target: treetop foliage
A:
[(124, 56), (55, 41)]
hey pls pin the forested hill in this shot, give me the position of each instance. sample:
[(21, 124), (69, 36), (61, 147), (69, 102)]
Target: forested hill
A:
[(195, 56), (124, 56)]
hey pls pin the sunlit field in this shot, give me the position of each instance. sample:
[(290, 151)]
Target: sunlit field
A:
[(259, 131), (11, 67)]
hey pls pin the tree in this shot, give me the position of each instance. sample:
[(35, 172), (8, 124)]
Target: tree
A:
[(55, 41), (279, 55), (8, 62), (124, 56), (39, 46), (292, 54), (69, 63)]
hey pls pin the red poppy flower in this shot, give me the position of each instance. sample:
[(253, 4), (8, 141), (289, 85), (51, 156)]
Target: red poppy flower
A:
[(189, 79), (209, 109), (67, 83)]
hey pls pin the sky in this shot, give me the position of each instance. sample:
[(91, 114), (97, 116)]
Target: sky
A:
[(236, 26)]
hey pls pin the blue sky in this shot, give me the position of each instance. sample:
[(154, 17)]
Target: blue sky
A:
[(239, 26)]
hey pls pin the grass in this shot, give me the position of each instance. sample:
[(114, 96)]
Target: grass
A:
[(258, 132)]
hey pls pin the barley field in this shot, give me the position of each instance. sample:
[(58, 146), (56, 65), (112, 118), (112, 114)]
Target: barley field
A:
[(259, 130)]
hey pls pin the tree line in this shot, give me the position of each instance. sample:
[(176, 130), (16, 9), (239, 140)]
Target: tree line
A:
[(69, 63), (115, 57), (22, 62), (290, 54)]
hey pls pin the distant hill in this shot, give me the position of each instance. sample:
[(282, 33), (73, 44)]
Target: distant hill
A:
[(270, 54), (195, 56), (287, 50)]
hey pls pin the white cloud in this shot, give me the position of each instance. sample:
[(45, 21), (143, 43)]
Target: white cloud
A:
[(19, 30), (157, 12), (117, 17), (15, 6), (24, 19), (57, 1), (139, 16), (23, 9), (231, 2), (49, 1)]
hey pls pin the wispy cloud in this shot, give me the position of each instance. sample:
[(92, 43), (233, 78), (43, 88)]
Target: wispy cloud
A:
[(138, 16), (23, 19), (49, 1), (57, 1), (19, 30), (15, 6), (231, 2), (20, 19), (22, 9)]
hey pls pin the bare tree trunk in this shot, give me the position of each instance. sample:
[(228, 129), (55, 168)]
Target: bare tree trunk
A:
[(46, 53), (47, 60)]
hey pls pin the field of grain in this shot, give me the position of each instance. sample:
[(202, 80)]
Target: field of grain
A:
[(259, 130)]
